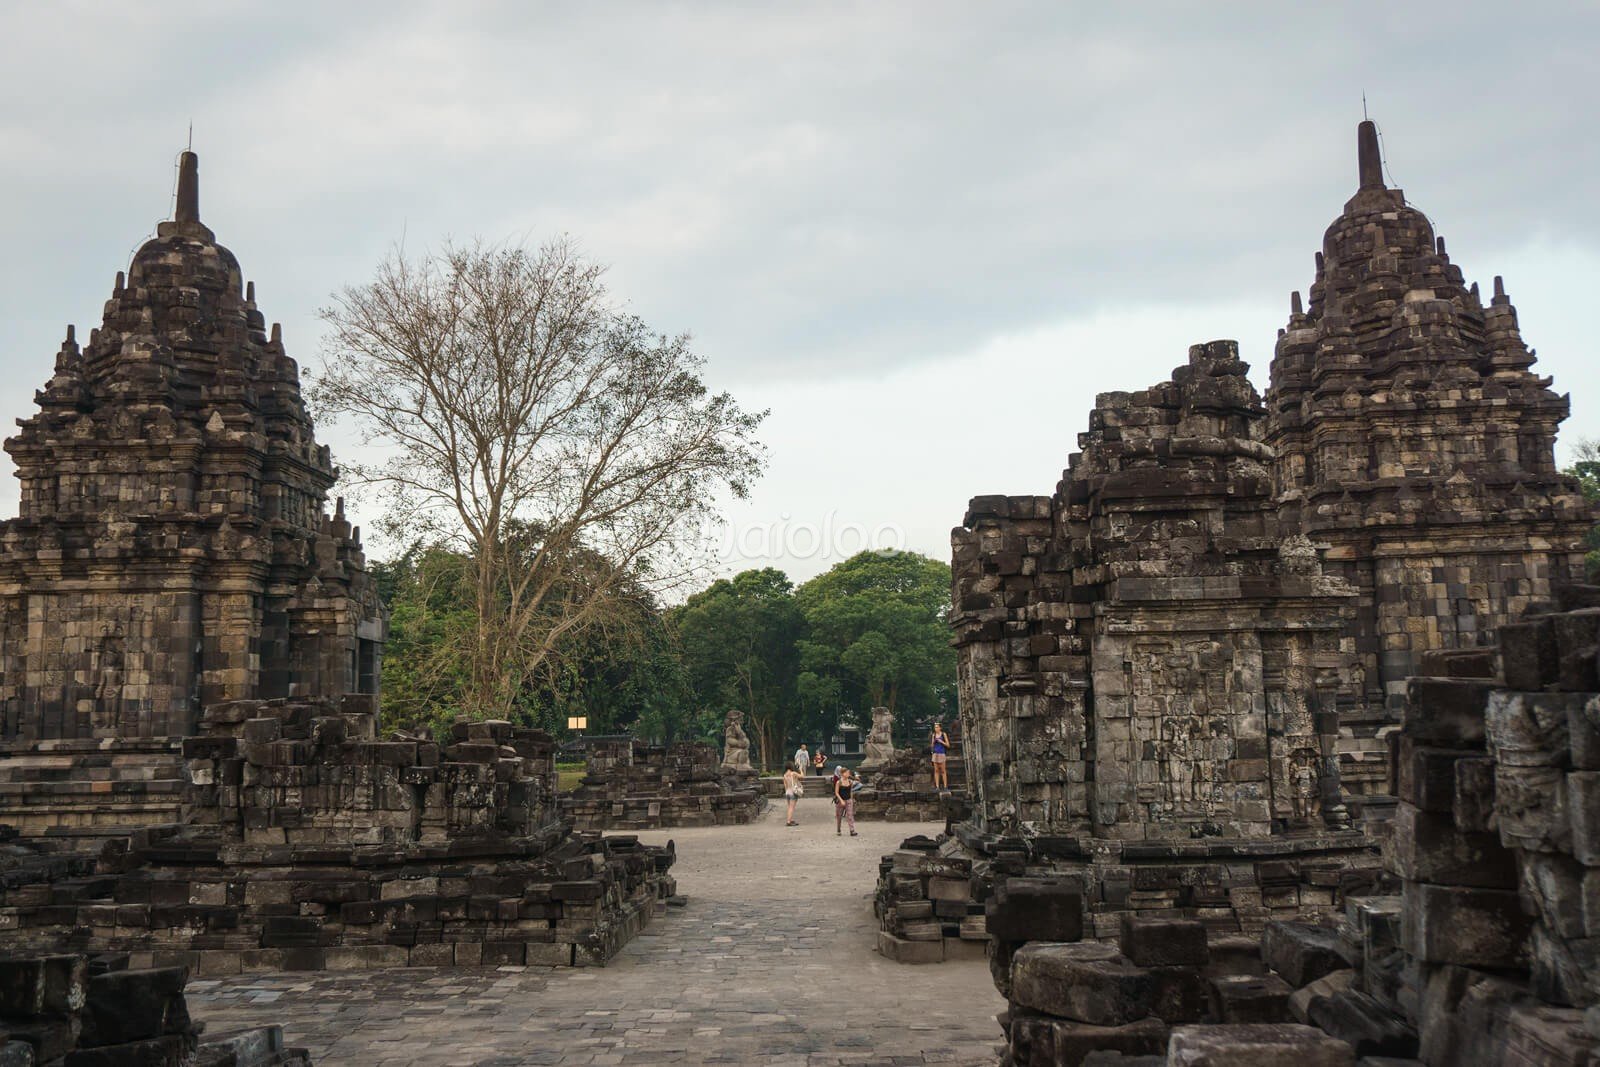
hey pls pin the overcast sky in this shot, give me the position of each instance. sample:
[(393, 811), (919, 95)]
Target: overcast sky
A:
[(924, 235)]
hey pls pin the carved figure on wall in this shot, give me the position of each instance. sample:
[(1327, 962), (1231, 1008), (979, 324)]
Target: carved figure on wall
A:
[(735, 745), (880, 741), (1179, 757), (108, 684), (1303, 782)]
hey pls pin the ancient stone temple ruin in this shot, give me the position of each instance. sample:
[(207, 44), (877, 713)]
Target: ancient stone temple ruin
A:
[(190, 651), (1478, 951), (172, 549), (1168, 668), (1412, 440), (630, 785)]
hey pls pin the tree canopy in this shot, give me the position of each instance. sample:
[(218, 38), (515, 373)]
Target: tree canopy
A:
[(550, 441)]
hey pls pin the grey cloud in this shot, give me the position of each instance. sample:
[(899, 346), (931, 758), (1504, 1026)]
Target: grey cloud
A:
[(814, 190)]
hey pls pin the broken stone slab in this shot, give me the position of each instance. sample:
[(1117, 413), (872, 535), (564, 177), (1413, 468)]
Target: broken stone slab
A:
[(1531, 729), (1326, 986), (1301, 953), (1528, 656), (42, 985), (1183, 994), (135, 1005), (1473, 927), (1235, 954), (901, 950), (1428, 847), (1446, 712), (1369, 1027), (1256, 1045), (1035, 909), (1155, 942), (1086, 982), (1045, 1042), (1248, 998), (1102, 1058)]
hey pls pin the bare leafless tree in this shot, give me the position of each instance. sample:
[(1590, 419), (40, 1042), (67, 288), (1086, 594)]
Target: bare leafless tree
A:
[(526, 418)]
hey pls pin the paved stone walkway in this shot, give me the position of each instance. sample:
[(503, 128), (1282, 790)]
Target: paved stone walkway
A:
[(771, 962)]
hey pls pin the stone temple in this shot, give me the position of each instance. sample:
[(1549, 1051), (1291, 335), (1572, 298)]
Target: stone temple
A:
[(1412, 441), (1182, 673), (189, 656), (172, 549)]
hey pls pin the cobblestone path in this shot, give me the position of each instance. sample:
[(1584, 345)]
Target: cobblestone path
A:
[(771, 962)]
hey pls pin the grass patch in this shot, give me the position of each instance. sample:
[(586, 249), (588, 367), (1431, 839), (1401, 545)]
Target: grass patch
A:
[(568, 776)]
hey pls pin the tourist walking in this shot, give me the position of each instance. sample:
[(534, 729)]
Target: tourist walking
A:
[(802, 759), (794, 787), (941, 751), (844, 801)]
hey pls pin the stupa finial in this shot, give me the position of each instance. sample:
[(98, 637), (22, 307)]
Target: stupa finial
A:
[(188, 188), (1369, 158)]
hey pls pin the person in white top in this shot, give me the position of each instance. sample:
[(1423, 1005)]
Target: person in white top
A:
[(793, 789), (802, 759)]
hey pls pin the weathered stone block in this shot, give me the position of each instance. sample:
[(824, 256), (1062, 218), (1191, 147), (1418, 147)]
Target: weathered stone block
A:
[(1532, 808), (1446, 712), (1035, 909), (1086, 982), (1049, 1042), (1242, 998), (134, 1005), (1300, 1000), (904, 951), (1473, 927), (1583, 805), (1183, 994), (1474, 795), (1256, 1045), (42, 985), (1528, 657), (1531, 729), (1427, 847), (1236, 954), (1151, 942), (1363, 1023), (1302, 953)]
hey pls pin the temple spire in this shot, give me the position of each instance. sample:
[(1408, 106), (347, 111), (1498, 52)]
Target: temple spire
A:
[(1368, 156), (188, 188)]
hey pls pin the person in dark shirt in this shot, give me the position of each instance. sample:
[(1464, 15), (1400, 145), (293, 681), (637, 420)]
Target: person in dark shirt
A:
[(844, 801)]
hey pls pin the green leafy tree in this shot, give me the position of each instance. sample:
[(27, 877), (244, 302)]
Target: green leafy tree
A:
[(622, 670), (531, 423), (738, 638), (1586, 468), (876, 634)]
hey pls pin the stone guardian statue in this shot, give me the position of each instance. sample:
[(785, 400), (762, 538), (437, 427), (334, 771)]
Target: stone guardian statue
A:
[(735, 745), (880, 742)]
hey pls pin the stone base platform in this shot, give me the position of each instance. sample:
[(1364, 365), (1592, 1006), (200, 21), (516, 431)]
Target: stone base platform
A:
[(937, 889), (552, 899), (664, 812), (90, 789)]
